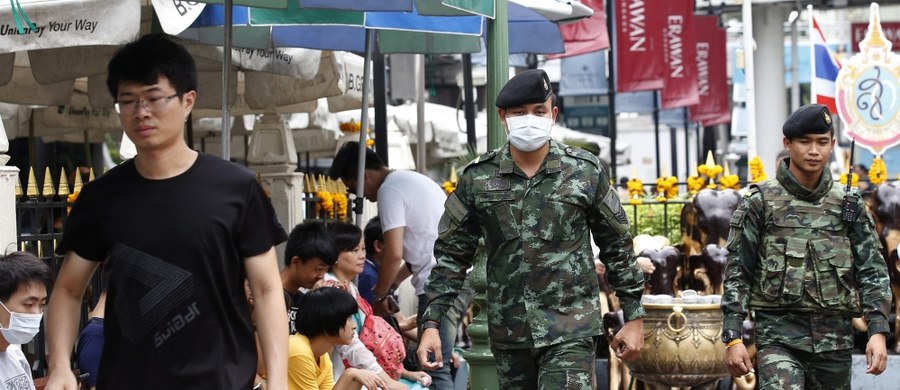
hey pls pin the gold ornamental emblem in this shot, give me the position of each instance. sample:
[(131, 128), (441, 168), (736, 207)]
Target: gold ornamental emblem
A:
[(826, 117)]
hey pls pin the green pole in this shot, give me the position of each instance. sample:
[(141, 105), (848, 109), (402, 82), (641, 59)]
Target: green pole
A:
[(497, 71), (482, 366)]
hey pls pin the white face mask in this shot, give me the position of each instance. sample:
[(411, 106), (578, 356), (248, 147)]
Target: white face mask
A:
[(528, 132), (22, 326)]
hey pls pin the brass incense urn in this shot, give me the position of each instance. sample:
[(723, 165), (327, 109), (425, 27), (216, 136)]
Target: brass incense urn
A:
[(682, 343)]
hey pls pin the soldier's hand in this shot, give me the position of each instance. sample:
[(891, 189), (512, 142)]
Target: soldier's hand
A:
[(430, 344), (738, 360), (629, 341), (876, 354)]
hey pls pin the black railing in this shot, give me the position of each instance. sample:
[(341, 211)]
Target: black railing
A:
[(40, 219)]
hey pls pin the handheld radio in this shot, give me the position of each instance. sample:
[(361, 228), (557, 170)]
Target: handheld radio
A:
[(851, 200)]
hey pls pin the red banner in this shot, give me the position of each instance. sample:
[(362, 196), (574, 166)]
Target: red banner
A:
[(891, 32), (712, 78), (639, 65), (680, 72), (585, 36)]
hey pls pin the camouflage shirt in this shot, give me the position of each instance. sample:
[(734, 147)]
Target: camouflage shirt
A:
[(541, 285), (803, 270)]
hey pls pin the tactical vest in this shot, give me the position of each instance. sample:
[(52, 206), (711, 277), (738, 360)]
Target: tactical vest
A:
[(805, 256)]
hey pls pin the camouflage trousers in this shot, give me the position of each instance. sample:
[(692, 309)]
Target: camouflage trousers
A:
[(567, 365), (781, 367)]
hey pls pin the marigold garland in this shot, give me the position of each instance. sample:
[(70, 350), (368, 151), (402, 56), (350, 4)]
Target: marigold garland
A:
[(666, 188), (325, 204), (757, 171), (710, 171), (635, 190), (855, 180), (71, 200), (350, 127), (730, 181), (448, 187), (340, 202), (878, 172), (695, 184)]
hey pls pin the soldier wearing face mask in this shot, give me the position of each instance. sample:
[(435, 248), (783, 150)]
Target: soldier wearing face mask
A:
[(535, 202), (24, 281)]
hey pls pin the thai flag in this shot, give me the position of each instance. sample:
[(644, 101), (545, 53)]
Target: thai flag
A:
[(825, 67)]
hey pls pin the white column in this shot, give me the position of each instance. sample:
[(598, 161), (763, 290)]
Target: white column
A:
[(771, 92), (274, 157), (8, 177)]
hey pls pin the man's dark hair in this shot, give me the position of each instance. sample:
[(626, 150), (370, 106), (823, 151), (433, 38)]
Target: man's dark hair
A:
[(308, 240), (147, 59), (372, 233), (346, 161), (324, 311), (346, 235), (19, 269)]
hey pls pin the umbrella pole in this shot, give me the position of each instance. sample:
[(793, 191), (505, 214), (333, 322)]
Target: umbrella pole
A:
[(469, 102), (226, 64), (420, 113), (364, 126)]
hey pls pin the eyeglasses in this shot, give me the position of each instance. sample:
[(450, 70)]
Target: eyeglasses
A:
[(154, 104)]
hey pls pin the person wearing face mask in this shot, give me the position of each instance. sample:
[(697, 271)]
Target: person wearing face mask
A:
[(535, 202), (24, 281)]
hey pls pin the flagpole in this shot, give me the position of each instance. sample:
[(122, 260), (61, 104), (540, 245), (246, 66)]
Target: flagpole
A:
[(812, 55), (749, 47), (613, 133)]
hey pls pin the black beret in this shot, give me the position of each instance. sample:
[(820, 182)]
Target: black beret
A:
[(530, 86), (809, 119)]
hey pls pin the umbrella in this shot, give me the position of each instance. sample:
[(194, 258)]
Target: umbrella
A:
[(349, 28)]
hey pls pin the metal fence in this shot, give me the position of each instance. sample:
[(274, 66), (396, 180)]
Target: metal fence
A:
[(40, 217)]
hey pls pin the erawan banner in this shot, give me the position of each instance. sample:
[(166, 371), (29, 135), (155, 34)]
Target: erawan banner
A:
[(639, 65), (65, 23), (680, 71), (585, 36), (712, 77)]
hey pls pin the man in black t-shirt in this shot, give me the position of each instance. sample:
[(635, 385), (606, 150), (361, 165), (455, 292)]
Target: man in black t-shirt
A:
[(183, 230), (308, 254)]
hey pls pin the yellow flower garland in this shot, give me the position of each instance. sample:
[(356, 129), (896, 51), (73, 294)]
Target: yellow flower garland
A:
[(325, 204), (757, 171), (730, 181), (666, 188), (340, 201), (635, 190), (448, 187), (695, 184), (855, 180), (71, 200), (878, 172)]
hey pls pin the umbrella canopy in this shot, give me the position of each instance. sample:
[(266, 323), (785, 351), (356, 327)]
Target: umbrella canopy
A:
[(330, 29)]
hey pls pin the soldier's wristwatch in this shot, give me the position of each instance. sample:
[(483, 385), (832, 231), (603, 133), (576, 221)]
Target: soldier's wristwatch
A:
[(729, 334)]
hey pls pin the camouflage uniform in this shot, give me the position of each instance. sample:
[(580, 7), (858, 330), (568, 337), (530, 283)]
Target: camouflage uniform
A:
[(542, 289), (804, 273)]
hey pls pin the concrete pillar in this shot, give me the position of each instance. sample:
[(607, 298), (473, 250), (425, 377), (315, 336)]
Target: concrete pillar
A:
[(8, 178), (273, 156), (771, 92)]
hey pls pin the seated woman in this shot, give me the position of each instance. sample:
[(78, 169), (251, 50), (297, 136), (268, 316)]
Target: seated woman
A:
[(324, 320), (348, 239)]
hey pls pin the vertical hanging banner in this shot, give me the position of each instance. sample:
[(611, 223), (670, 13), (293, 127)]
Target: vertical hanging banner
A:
[(587, 35), (680, 73), (712, 77), (867, 85), (639, 65)]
